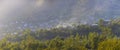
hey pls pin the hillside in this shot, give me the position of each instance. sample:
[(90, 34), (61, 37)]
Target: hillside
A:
[(101, 36), (59, 25)]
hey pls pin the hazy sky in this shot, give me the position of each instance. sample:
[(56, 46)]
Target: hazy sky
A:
[(11, 7), (14, 9), (45, 13)]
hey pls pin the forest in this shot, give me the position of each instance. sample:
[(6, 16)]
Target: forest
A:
[(104, 35)]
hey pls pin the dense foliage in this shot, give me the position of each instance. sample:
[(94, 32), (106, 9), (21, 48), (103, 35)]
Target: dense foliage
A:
[(104, 36)]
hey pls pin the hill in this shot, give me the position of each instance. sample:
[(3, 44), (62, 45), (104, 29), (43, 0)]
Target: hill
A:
[(101, 36)]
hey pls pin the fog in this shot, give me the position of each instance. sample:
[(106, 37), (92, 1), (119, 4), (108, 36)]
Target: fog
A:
[(21, 14)]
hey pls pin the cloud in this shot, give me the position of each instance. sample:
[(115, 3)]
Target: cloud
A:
[(91, 10), (52, 12), (14, 9)]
